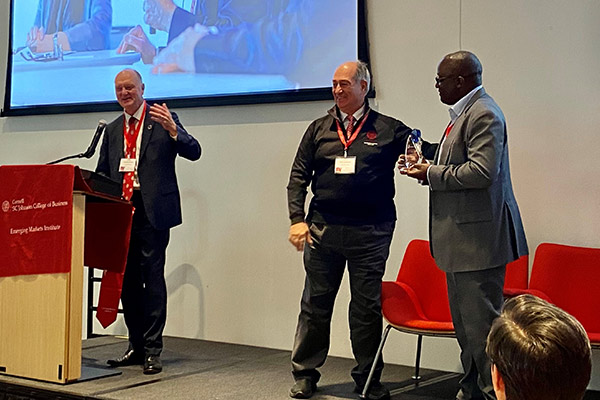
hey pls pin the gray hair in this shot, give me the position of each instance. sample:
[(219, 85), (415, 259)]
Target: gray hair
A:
[(362, 73)]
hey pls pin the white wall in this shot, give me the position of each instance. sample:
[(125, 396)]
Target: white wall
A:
[(231, 274)]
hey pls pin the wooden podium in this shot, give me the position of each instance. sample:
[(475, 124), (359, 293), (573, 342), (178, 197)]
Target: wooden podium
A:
[(43, 248)]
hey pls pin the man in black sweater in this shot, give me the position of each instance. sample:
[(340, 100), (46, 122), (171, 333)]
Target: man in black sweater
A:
[(348, 158)]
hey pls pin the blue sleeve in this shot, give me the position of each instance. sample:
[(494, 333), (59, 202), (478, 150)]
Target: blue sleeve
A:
[(93, 33), (271, 44), (181, 20)]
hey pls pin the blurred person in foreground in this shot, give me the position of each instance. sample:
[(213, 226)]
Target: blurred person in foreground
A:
[(538, 352)]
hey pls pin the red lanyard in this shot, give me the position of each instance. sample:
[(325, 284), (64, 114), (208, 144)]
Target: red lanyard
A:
[(136, 131), (448, 128), (354, 134)]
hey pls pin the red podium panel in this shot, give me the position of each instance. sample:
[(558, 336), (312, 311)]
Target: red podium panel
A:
[(50, 221)]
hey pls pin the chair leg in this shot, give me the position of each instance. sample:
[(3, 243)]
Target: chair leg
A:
[(377, 355), (416, 376)]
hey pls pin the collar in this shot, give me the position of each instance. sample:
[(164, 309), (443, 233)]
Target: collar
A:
[(457, 109), (338, 114), (138, 114), (357, 114)]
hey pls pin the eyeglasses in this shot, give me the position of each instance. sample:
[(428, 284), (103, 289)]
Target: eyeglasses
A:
[(439, 80)]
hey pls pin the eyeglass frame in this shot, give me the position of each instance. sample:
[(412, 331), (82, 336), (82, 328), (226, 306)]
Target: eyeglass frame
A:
[(439, 80)]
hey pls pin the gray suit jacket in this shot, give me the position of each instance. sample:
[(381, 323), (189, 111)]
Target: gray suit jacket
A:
[(474, 220)]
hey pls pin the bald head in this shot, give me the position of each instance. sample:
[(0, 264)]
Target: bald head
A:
[(458, 74), (350, 83), (129, 90), (465, 64)]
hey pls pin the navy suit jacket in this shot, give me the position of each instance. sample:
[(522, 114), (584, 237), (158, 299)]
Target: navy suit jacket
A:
[(156, 166)]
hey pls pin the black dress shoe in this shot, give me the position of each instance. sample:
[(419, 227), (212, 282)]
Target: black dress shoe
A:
[(152, 365), (129, 358), (376, 391), (303, 389)]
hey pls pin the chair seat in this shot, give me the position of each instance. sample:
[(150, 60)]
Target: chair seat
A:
[(426, 328), (510, 292), (402, 310)]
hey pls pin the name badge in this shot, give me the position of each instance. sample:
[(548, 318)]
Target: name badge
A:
[(127, 165), (345, 165)]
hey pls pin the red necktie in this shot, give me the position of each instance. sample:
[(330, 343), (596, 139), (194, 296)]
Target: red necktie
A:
[(130, 140), (108, 301), (112, 282), (350, 127)]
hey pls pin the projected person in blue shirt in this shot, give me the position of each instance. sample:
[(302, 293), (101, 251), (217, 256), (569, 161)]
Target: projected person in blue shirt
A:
[(79, 25), (243, 36)]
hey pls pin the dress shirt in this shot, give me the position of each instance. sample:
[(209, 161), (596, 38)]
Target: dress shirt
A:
[(357, 116), (139, 115), (455, 111), (460, 105)]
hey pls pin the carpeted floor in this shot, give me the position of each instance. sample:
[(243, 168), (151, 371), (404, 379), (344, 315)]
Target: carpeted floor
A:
[(198, 369)]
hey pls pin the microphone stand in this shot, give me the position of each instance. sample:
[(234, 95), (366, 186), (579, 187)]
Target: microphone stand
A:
[(80, 155), (90, 150)]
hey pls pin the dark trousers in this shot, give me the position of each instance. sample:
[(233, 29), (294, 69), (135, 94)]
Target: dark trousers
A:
[(144, 294), (365, 249), (475, 301)]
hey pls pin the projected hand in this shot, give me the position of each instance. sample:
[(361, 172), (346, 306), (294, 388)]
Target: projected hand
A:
[(137, 41), (179, 54), (160, 113), (39, 42), (35, 34), (299, 234), (159, 13)]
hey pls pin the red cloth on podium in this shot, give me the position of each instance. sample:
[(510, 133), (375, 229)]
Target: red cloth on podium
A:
[(103, 222), (36, 217)]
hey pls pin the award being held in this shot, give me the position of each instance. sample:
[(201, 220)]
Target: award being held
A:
[(413, 154)]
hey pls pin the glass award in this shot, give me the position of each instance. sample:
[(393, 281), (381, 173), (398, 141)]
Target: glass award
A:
[(413, 154)]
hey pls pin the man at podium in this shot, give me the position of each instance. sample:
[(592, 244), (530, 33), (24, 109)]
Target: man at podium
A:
[(139, 149)]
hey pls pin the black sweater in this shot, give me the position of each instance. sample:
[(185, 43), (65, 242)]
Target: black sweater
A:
[(366, 197)]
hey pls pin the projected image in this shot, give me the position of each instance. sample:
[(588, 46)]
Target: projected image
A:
[(68, 52)]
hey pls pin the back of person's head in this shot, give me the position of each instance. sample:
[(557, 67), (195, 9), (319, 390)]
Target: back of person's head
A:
[(540, 351)]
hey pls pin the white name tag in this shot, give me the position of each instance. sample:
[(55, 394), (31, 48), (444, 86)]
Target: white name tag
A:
[(345, 165), (127, 165)]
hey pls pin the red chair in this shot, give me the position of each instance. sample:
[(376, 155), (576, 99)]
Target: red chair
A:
[(569, 277), (417, 301)]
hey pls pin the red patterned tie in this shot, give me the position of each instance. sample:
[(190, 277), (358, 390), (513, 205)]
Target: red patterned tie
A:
[(130, 140), (350, 127)]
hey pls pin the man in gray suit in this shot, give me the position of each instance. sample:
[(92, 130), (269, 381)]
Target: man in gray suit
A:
[(475, 226)]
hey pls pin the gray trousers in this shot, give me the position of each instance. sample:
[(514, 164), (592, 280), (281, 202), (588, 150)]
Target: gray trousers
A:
[(475, 301), (365, 250)]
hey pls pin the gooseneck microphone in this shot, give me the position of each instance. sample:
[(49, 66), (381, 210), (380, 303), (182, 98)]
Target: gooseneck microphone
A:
[(91, 148)]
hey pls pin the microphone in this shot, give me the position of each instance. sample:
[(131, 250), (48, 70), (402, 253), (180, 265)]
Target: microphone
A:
[(92, 148)]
